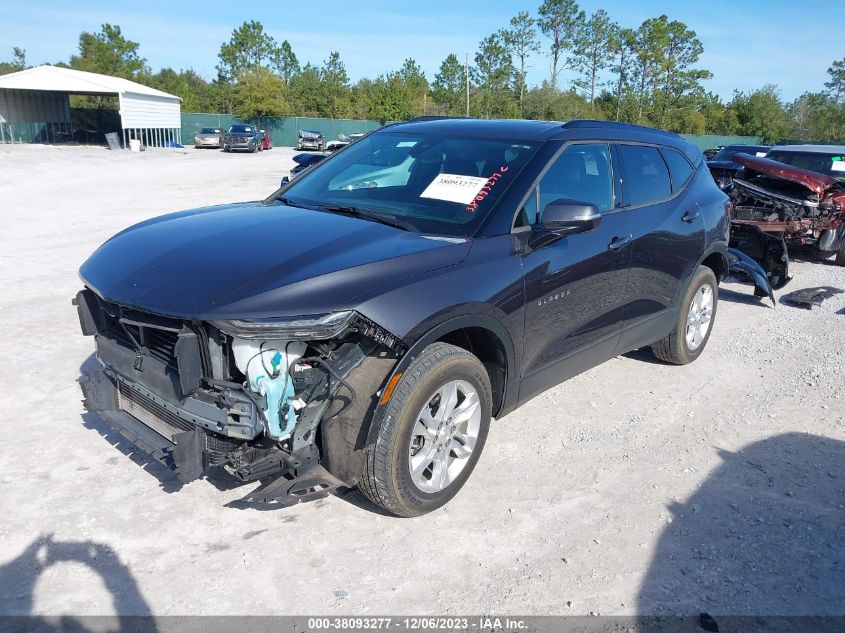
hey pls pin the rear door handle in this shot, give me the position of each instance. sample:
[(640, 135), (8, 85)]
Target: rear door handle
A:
[(618, 242), (691, 216)]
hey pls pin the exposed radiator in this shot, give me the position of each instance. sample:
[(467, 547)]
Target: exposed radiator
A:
[(159, 419)]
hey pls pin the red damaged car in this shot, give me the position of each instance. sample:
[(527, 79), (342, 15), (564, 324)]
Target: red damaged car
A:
[(794, 196)]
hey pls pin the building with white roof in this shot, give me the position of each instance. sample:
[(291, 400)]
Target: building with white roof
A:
[(36, 100)]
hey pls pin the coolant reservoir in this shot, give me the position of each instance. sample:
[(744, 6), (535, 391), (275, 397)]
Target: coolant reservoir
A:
[(265, 365)]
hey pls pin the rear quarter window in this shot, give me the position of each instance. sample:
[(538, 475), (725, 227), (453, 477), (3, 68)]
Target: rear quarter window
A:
[(679, 167), (646, 175)]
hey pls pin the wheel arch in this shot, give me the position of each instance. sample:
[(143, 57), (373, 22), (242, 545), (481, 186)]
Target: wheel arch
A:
[(717, 261), (481, 335)]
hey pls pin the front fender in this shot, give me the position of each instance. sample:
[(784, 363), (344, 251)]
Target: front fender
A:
[(345, 436), (437, 332)]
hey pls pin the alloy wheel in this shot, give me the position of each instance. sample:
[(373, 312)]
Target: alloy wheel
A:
[(444, 436), (699, 317)]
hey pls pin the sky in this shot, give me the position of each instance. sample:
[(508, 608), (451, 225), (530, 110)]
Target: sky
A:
[(746, 44)]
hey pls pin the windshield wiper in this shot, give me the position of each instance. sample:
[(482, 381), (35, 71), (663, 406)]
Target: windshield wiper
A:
[(365, 214)]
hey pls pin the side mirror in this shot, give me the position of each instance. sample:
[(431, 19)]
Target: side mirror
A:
[(564, 217)]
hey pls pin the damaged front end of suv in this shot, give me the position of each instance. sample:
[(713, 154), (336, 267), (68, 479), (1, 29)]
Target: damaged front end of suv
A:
[(222, 342), (777, 206), (247, 396)]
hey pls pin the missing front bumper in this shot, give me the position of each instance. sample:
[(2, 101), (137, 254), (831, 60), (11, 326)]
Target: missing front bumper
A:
[(288, 478)]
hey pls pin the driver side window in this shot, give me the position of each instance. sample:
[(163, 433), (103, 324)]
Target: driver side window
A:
[(581, 173)]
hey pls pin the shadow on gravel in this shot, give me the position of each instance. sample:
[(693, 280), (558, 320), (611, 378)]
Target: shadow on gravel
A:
[(809, 255), (19, 577), (763, 536), (746, 299)]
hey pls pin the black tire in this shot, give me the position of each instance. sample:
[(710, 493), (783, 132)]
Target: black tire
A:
[(386, 477), (674, 348)]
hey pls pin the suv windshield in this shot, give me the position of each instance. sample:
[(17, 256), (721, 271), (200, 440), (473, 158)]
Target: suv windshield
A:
[(433, 184), (241, 129), (209, 130), (829, 164), (728, 153)]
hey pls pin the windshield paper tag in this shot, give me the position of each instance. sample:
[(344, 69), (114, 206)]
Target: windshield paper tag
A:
[(837, 165), (454, 188)]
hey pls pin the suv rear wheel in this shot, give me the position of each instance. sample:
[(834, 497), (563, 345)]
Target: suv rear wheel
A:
[(695, 321), (431, 434)]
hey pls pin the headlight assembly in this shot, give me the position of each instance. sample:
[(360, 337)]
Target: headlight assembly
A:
[(302, 328)]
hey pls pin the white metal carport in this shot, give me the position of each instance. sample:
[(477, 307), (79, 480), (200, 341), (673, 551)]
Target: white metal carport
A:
[(39, 97)]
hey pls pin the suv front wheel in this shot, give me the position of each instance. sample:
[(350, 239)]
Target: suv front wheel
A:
[(695, 321), (431, 434)]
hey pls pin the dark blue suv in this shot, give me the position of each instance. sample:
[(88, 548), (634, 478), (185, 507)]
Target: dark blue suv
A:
[(363, 324)]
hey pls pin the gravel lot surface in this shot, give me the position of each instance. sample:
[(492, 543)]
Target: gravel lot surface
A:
[(634, 488)]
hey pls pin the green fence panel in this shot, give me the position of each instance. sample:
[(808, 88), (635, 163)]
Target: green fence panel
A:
[(193, 122), (708, 141), (283, 129)]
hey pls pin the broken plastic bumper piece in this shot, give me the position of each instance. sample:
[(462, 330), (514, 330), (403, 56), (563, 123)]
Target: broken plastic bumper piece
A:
[(743, 266)]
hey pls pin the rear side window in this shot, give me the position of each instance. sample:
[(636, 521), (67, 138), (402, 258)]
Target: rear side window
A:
[(646, 175), (679, 167)]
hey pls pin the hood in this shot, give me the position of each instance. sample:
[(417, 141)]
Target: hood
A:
[(815, 182), (254, 261)]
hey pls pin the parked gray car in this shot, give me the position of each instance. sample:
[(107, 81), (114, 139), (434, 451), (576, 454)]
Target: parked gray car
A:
[(209, 137)]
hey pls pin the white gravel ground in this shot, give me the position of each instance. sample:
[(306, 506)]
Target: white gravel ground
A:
[(634, 488)]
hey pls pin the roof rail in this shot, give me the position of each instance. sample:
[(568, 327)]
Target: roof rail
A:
[(432, 117), (589, 123)]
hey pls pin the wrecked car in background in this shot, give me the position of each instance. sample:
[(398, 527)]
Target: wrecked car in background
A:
[(795, 196), (363, 324), (722, 166), (310, 139), (303, 162), (709, 154), (343, 140)]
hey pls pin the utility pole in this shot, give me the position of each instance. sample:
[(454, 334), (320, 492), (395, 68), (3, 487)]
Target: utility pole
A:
[(466, 73)]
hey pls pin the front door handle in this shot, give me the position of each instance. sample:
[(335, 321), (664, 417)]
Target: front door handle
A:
[(618, 242), (691, 216)]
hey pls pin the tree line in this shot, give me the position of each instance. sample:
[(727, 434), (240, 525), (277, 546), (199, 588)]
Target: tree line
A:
[(649, 74)]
